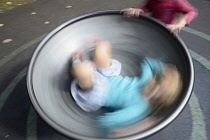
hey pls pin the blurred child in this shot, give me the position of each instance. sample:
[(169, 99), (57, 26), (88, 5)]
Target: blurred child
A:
[(167, 11), (98, 83)]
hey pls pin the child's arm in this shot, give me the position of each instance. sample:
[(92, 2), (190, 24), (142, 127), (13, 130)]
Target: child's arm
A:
[(149, 66), (136, 11), (132, 12), (146, 7), (183, 6), (189, 14), (124, 117)]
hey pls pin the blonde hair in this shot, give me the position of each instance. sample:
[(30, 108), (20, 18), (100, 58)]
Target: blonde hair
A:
[(164, 90), (170, 85)]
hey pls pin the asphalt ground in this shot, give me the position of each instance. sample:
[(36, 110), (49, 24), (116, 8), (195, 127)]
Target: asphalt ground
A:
[(18, 120)]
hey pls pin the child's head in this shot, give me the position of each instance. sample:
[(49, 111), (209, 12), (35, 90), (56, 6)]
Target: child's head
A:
[(164, 90)]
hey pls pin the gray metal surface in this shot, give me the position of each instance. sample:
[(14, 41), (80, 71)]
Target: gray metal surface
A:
[(132, 39)]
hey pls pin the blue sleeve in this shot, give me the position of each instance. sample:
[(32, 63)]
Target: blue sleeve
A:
[(155, 65), (125, 116), (148, 67)]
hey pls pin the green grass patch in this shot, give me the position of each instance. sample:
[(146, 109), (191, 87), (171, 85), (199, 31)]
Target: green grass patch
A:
[(6, 5)]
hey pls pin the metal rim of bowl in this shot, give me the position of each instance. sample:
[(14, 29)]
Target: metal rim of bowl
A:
[(145, 134)]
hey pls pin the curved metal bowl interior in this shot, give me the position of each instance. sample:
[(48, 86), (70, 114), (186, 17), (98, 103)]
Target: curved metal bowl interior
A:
[(132, 39)]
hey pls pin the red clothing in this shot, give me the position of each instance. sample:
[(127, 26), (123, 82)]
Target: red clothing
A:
[(167, 10)]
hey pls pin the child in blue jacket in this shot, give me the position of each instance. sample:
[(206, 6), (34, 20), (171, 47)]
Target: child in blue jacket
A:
[(98, 84)]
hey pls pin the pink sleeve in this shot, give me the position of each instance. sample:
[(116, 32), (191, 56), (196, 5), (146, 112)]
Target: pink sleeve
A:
[(183, 6), (146, 8)]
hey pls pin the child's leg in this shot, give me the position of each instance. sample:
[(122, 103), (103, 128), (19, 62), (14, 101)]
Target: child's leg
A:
[(102, 54), (83, 73)]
